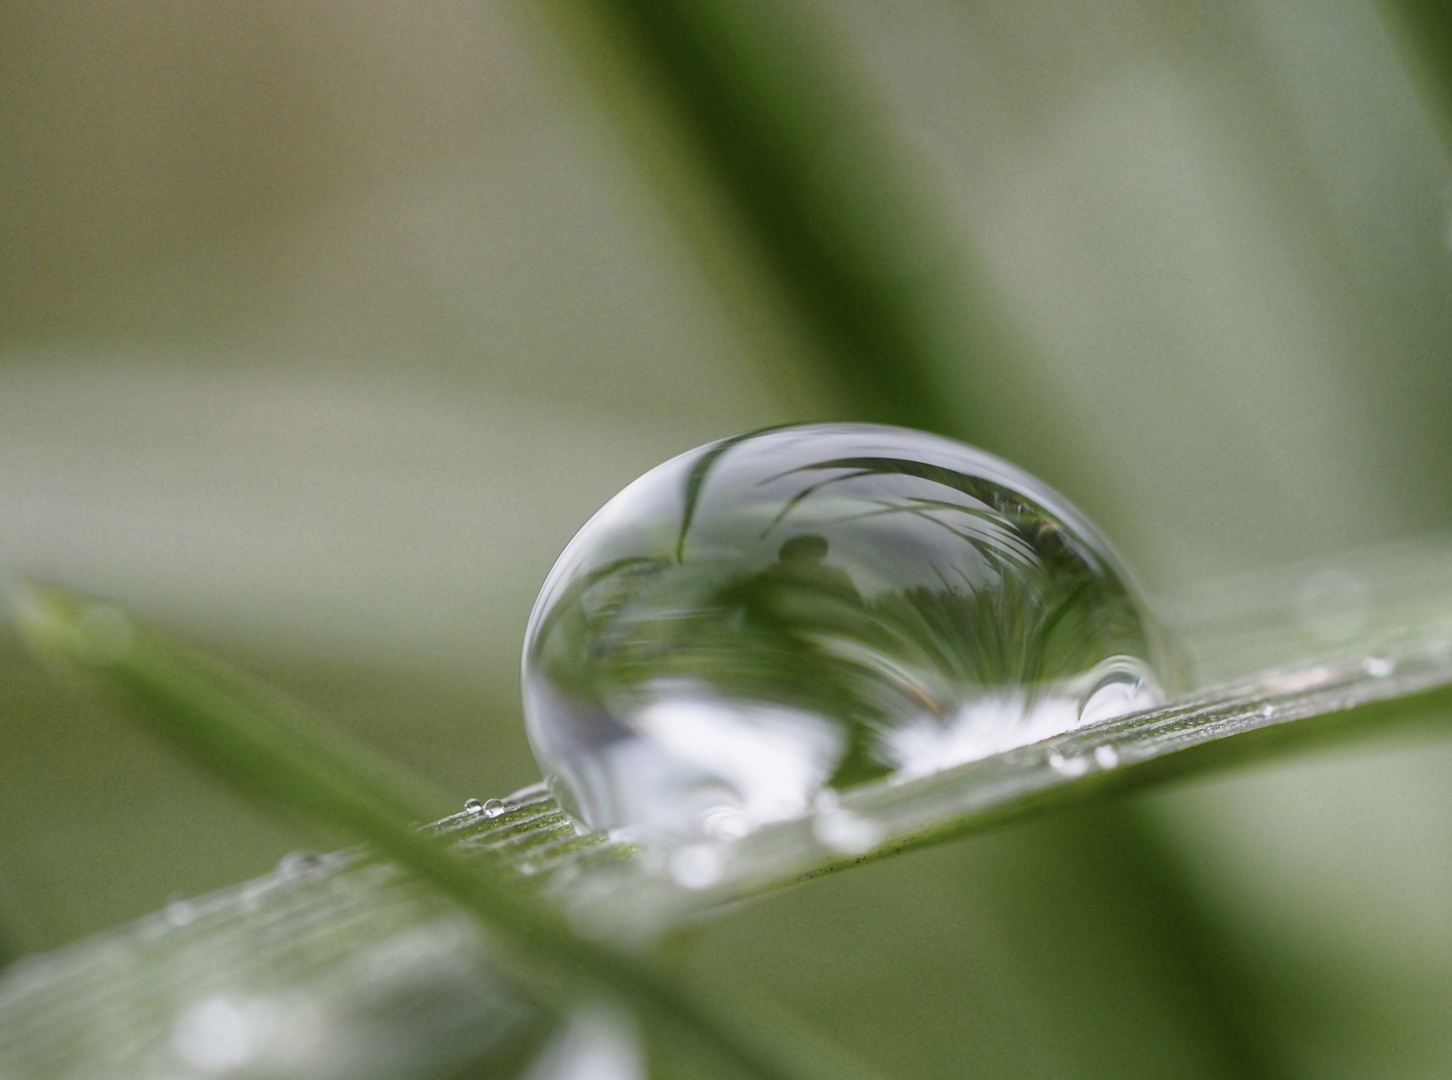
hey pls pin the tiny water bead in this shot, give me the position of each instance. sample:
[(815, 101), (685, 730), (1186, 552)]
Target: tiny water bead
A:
[(490, 808), (1378, 667), (769, 619), (298, 863), (179, 912)]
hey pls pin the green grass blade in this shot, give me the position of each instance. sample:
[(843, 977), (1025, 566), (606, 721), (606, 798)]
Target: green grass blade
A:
[(246, 736), (41, 1008)]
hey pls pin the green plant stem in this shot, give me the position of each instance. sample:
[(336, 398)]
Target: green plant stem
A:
[(246, 736)]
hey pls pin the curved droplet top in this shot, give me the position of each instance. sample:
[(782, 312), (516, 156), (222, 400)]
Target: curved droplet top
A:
[(771, 618)]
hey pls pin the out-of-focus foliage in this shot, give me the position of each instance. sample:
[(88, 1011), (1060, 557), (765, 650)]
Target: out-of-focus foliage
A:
[(322, 329)]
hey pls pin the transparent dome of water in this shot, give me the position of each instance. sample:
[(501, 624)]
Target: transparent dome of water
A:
[(774, 617)]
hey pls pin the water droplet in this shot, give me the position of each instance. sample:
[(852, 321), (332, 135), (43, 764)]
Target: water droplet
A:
[(179, 912), (1106, 756), (492, 808), (1378, 667), (1068, 766), (1117, 696), (812, 608), (473, 806), (297, 863), (1267, 711)]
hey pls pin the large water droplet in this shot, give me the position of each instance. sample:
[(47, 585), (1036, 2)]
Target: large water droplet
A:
[(818, 607)]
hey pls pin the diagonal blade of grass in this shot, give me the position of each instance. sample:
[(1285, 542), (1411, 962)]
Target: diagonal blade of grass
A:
[(1361, 693), (275, 754)]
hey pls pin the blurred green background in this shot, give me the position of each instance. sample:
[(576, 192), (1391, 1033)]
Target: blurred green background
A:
[(323, 327)]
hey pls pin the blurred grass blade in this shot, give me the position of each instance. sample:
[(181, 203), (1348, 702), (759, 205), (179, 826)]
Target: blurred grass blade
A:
[(1424, 28), (253, 738), (807, 167), (1119, 862), (271, 752)]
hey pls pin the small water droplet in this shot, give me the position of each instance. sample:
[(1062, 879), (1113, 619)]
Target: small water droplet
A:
[(297, 863), (492, 808), (1267, 711), (473, 806), (1117, 696), (696, 866), (1106, 756), (1068, 766), (812, 608), (1378, 667), (180, 912)]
